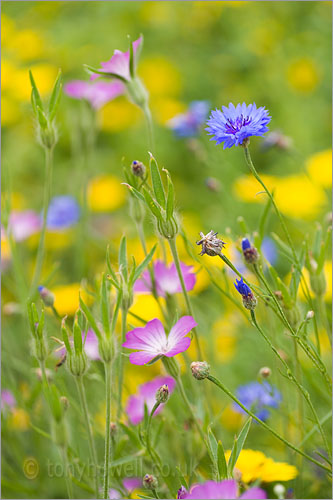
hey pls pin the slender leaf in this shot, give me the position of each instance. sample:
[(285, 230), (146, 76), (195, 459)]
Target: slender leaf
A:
[(90, 318), (105, 305), (154, 208), (77, 333), (170, 204), (221, 462), (157, 182), (41, 118), (37, 97), (122, 257), (55, 96), (65, 335), (238, 446), (106, 74), (144, 263)]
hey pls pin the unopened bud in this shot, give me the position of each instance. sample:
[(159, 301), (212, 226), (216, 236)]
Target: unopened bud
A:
[(150, 482), (265, 372), (162, 394), (138, 168), (46, 295), (250, 253), (200, 369), (113, 428), (279, 491), (65, 403), (250, 301), (78, 363), (309, 315)]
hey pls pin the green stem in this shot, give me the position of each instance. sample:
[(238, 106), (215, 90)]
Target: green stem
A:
[(64, 456), (150, 127), (189, 406), (108, 374), (219, 384), (124, 312), (84, 407), (294, 379), (174, 252), (46, 201)]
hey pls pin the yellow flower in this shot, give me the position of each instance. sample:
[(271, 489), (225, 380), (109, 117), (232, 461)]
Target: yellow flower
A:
[(328, 277), (105, 193), (319, 167), (119, 115), (231, 419), (160, 76), (155, 13), (26, 45), (19, 419), (67, 298), (17, 83), (165, 108), (224, 331), (146, 307), (255, 465), (295, 195), (10, 111), (303, 75)]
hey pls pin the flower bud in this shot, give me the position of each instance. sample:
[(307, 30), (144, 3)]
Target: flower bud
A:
[(40, 348), (106, 349), (211, 245), (200, 369), (265, 372), (250, 301), (279, 490), (250, 253), (78, 363), (150, 482), (309, 315), (65, 403), (318, 283), (46, 295), (167, 228), (162, 394), (138, 169)]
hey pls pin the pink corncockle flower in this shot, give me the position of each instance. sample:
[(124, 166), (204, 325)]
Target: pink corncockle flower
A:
[(152, 341), (91, 345), (225, 490), (7, 399), (130, 484), (98, 93), (166, 279), (119, 64), (24, 224), (135, 408)]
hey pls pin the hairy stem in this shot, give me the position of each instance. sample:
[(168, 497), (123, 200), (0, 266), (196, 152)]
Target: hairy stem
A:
[(124, 312), (108, 376)]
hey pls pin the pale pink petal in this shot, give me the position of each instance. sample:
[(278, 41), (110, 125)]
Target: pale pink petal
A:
[(77, 89), (183, 326), (150, 336), (141, 357), (119, 63), (254, 494), (181, 346)]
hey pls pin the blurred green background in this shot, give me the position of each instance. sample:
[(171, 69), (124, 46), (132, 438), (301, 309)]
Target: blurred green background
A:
[(277, 54)]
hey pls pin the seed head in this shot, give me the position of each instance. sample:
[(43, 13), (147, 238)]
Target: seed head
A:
[(211, 245)]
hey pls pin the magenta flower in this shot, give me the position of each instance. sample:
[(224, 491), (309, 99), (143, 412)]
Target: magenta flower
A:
[(91, 345), (135, 408), (225, 490), (166, 279), (98, 93), (129, 483), (152, 341), (7, 399), (24, 224), (119, 64)]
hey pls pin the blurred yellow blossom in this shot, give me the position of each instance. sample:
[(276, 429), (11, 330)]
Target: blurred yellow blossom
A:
[(165, 108), (328, 277), (231, 419), (19, 419), (155, 13), (303, 75), (224, 331), (146, 307), (26, 45), (105, 193), (160, 76), (119, 115), (255, 465), (16, 80), (295, 195), (67, 298), (319, 166)]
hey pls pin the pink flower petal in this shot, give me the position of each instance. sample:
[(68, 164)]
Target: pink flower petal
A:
[(254, 494), (183, 326), (119, 63), (141, 357), (181, 346)]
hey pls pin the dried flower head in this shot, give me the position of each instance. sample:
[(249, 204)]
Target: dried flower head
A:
[(211, 245)]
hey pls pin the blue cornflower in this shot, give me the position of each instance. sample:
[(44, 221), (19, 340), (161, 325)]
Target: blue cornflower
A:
[(258, 397), (245, 244), (188, 124), (62, 213), (234, 125), (242, 288)]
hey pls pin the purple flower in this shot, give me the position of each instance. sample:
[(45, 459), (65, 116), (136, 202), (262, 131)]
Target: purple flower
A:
[(23, 224), (181, 493), (7, 399), (119, 64), (258, 397), (152, 341), (147, 395), (98, 93), (91, 345), (166, 279), (129, 483), (188, 124), (268, 250), (62, 213), (234, 125), (227, 490), (242, 288)]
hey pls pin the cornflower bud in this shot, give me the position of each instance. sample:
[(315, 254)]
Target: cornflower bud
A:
[(46, 295), (250, 253), (249, 300), (210, 244), (200, 369), (138, 168), (150, 482), (162, 394), (265, 372)]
